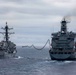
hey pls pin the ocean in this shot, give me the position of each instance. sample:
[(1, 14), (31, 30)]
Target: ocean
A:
[(29, 61)]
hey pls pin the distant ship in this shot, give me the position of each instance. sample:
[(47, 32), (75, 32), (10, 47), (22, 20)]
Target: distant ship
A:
[(7, 48), (63, 45)]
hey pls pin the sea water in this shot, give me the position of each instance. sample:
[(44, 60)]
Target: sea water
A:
[(29, 61)]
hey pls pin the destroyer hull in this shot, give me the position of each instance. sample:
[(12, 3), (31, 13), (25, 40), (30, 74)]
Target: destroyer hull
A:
[(9, 55), (4, 54)]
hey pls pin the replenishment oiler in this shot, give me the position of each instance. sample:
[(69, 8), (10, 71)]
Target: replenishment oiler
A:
[(7, 48), (63, 44)]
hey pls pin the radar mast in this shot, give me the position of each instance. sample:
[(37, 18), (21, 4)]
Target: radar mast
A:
[(64, 26), (6, 33)]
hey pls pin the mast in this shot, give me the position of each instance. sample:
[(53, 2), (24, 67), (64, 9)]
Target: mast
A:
[(6, 33), (64, 26)]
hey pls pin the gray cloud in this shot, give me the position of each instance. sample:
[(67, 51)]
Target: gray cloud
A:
[(23, 1), (38, 18), (33, 7), (45, 11)]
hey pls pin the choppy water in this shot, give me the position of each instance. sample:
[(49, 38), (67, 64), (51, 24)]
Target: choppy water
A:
[(33, 62)]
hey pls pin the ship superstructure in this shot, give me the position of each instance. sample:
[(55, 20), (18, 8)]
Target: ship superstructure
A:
[(7, 48), (63, 44)]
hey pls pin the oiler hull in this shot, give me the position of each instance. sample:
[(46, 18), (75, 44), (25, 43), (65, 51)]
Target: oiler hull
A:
[(62, 55)]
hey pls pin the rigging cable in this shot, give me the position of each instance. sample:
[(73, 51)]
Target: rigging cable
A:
[(48, 41)]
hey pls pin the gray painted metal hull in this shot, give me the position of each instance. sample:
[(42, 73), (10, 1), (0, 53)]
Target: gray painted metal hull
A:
[(4, 54), (63, 56)]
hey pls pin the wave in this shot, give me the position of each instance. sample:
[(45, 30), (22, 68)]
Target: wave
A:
[(18, 57)]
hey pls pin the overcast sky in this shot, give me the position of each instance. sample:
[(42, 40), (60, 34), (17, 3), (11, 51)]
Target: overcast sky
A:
[(34, 20)]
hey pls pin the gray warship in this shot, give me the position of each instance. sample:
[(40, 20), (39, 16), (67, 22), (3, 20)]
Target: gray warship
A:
[(63, 45), (7, 48)]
